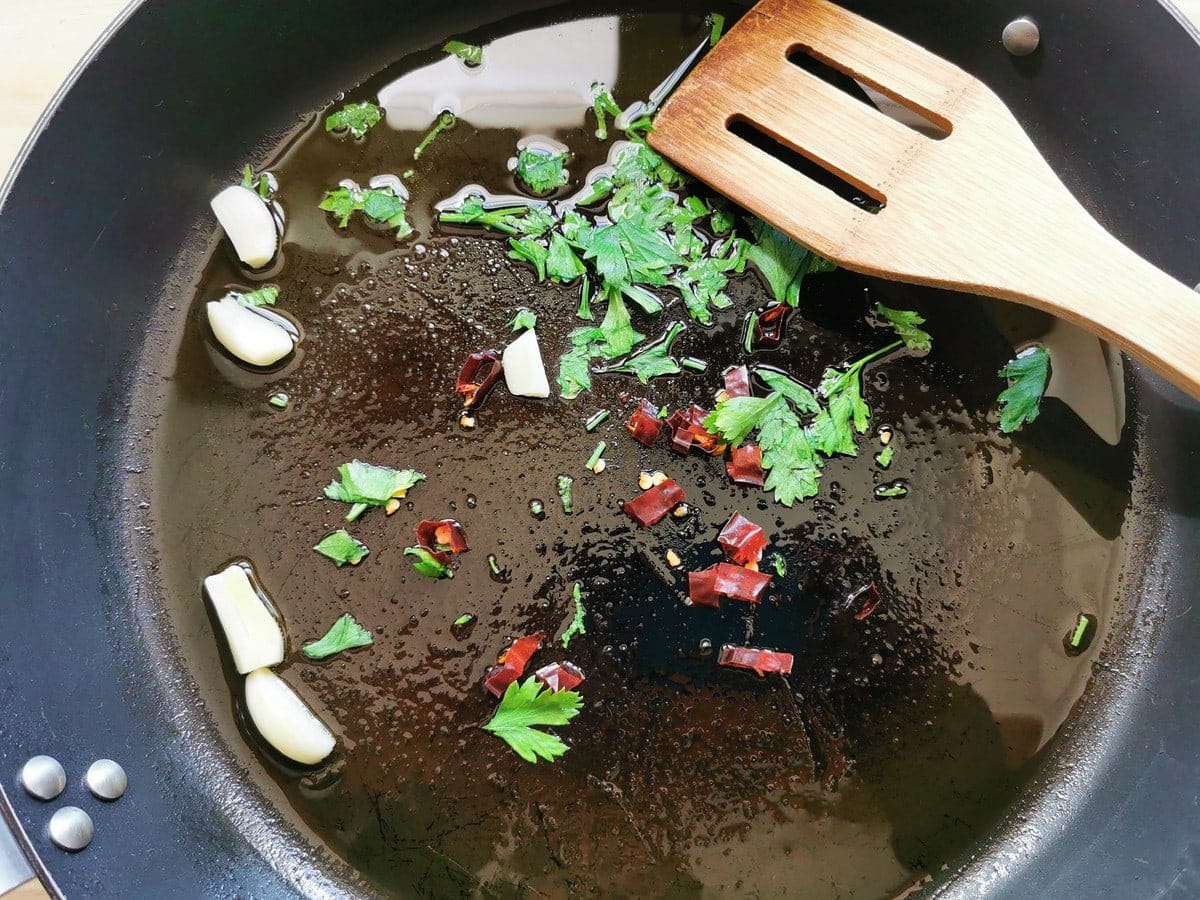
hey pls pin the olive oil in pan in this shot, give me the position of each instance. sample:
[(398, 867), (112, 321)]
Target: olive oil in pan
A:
[(897, 742)]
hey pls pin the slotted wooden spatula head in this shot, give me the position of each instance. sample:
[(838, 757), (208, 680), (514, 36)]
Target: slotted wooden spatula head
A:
[(973, 208)]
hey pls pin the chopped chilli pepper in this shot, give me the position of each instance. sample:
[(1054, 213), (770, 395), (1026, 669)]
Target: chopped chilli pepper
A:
[(864, 601), (562, 676), (653, 505), (441, 538), (761, 662), (512, 664), (742, 540), (737, 382), (479, 373), (744, 465), (644, 424), (706, 588), (769, 326), (688, 431)]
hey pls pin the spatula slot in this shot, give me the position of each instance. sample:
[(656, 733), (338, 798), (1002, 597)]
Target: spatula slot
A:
[(867, 92), (861, 195)]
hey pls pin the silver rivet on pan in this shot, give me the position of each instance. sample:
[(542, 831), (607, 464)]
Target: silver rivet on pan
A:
[(43, 777), (71, 828), (106, 779), (1021, 36)]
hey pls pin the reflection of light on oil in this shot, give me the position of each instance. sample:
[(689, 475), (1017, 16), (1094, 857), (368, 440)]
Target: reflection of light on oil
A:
[(536, 80)]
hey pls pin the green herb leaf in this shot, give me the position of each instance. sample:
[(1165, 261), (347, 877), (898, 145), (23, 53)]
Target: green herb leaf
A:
[(616, 334), (365, 485), (342, 202), (653, 360), (464, 619), (804, 399), (530, 250), (342, 548), (780, 565), (526, 705), (428, 564), (783, 262), (603, 105), (525, 318), (833, 429), (346, 634), (444, 121), (906, 323), (716, 23), (577, 625), (1021, 401), (883, 458), (264, 296), (356, 118), (279, 400), (541, 172), (736, 417), (260, 184), (471, 54), (378, 204), (562, 263), (565, 483), (574, 368)]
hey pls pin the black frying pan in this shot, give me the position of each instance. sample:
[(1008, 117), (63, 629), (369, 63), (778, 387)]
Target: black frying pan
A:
[(90, 232)]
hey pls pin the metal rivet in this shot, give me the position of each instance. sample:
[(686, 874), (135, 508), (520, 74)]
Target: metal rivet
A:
[(71, 828), (106, 779), (43, 777), (1021, 36)]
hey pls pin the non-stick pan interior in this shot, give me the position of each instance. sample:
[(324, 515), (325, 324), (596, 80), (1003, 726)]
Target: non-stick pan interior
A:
[(208, 757)]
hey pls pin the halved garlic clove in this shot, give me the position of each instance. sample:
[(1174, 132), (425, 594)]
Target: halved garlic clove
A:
[(284, 720), (248, 224), (248, 335), (251, 629), (524, 372)]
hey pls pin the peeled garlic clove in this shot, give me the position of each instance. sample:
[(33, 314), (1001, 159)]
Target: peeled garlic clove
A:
[(284, 720), (250, 336), (248, 224), (251, 629), (524, 372)]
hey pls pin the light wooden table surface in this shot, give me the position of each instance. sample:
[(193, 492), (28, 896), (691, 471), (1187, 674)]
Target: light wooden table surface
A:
[(40, 43)]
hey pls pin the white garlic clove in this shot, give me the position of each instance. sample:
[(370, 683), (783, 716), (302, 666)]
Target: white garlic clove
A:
[(284, 720), (251, 629), (248, 335), (248, 224), (524, 372)]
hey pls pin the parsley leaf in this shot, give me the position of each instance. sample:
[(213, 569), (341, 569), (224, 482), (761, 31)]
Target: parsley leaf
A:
[(616, 333), (906, 323), (526, 705), (562, 263), (574, 372), (716, 24), (264, 296), (428, 564), (736, 417), (377, 204), (365, 485), (356, 118), (833, 429), (532, 251), (804, 399), (577, 625), (525, 318), (541, 172), (884, 457), (261, 184), (346, 634), (653, 360), (342, 548), (531, 221), (783, 262), (471, 54), (603, 105), (1020, 402)]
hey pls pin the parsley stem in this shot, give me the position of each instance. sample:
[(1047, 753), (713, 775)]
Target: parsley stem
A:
[(696, 365), (596, 454), (564, 491), (444, 121), (598, 418)]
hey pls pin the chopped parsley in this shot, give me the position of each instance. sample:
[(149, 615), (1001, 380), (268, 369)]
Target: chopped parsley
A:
[(471, 54), (782, 262), (356, 118), (264, 296), (377, 204), (1021, 401), (906, 323), (894, 490), (342, 548), (654, 359), (346, 634), (260, 184), (847, 412), (541, 172), (464, 619), (884, 457), (565, 483), (577, 625), (716, 24), (525, 318), (525, 705), (428, 564), (444, 121), (364, 485), (603, 105), (530, 221), (780, 565), (279, 400)]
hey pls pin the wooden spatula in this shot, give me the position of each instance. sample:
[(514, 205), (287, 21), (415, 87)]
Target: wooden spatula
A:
[(977, 211)]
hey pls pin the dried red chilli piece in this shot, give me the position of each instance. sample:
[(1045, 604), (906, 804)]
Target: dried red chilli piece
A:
[(742, 540), (705, 588), (441, 537), (737, 382), (477, 376), (687, 431), (770, 325), (744, 465), (644, 424), (762, 662), (864, 601), (562, 676), (702, 588), (652, 506), (512, 664)]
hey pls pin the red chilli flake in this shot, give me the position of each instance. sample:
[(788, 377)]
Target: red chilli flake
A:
[(562, 676), (742, 540), (770, 325), (653, 505), (644, 424), (512, 664), (688, 431), (737, 382), (744, 465), (762, 662), (479, 373), (441, 538), (706, 588), (864, 601)]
